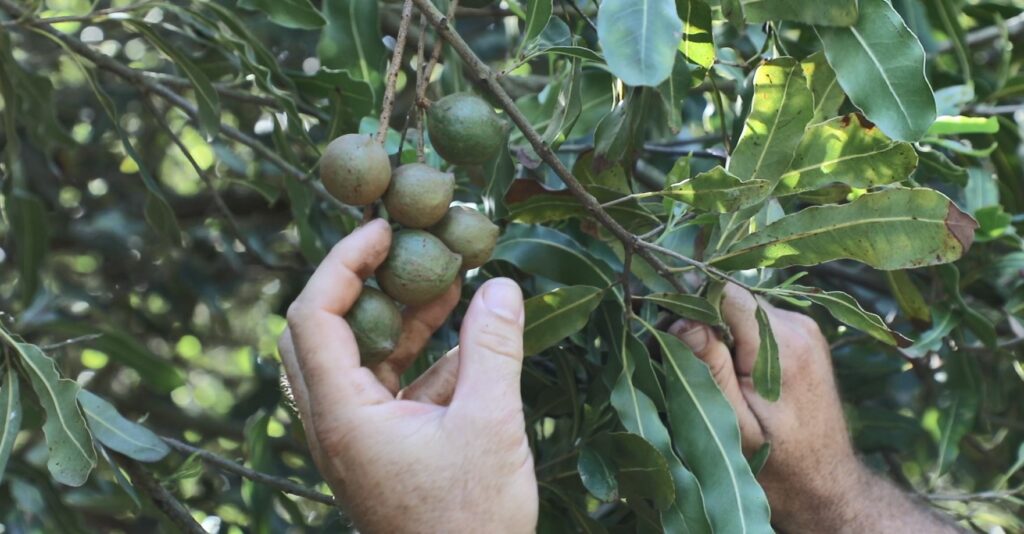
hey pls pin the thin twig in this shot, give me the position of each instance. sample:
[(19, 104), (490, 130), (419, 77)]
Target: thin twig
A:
[(90, 17), (224, 464), (979, 496), (159, 496), (421, 89), (392, 78), (72, 341), (435, 56), (576, 8), (230, 93), (486, 75)]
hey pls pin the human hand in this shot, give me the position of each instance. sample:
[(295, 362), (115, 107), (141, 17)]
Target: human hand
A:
[(813, 478), (449, 453), (811, 456)]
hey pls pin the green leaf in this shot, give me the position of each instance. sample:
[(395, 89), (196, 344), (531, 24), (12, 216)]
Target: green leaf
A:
[(561, 205), (206, 95), (673, 92), (848, 311), (908, 296), (30, 229), (114, 431), (698, 45), (718, 191), (10, 415), (975, 321), (706, 434), (546, 252), (639, 470), (848, 151), (298, 14), (935, 164), (598, 476), (72, 456), (828, 97), (767, 373), (538, 12), (817, 12), (558, 314), (959, 125), (686, 306), (352, 40), (780, 111), (760, 457), (155, 372), (943, 322), (880, 65), (568, 106), (640, 416), (956, 417), (639, 39), (890, 229)]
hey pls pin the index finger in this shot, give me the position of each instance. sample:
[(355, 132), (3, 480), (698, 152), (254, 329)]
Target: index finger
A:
[(325, 346)]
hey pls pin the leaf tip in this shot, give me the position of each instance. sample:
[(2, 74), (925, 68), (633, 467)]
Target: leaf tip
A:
[(961, 225)]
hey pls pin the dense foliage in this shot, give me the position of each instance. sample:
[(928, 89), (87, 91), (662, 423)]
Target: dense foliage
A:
[(856, 160)]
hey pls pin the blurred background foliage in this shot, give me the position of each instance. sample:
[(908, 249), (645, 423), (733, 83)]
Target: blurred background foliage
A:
[(161, 210)]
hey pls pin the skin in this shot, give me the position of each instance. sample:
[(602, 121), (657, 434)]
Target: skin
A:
[(449, 452), (813, 478)]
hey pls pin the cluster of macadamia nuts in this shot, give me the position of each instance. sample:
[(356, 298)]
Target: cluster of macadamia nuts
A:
[(437, 240)]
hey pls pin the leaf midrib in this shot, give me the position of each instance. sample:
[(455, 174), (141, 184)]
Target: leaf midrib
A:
[(822, 230)]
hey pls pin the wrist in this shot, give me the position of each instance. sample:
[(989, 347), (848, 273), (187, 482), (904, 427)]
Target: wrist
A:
[(826, 500)]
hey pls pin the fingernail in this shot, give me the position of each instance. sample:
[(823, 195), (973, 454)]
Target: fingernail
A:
[(503, 297), (695, 335)]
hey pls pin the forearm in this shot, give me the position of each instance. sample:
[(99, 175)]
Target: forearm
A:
[(865, 503)]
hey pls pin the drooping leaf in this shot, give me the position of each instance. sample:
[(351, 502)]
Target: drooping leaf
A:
[(848, 151), (155, 372), (598, 474), (10, 414), (934, 164), (207, 98), (718, 191), (962, 399), (767, 374), (848, 311), (637, 468), (549, 253), (352, 40), (30, 228), (567, 106), (825, 90), (780, 111), (698, 45), (673, 91), (558, 314), (880, 65), (639, 39), (686, 306), (890, 229), (818, 12), (975, 321), (685, 512), (72, 456), (298, 14), (908, 296), (114, 431), (538, 12), (706, 434)]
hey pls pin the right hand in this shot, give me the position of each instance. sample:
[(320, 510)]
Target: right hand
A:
[(812, 462)]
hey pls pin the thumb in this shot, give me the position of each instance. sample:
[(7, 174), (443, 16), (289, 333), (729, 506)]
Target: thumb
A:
[(491, 347), (704, 343)]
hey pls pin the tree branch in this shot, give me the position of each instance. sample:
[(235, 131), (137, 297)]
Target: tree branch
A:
[(484, 74), (224, 464), (396, 65), (159, 496)]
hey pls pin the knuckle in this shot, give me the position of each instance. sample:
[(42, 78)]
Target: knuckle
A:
[(500, 343)]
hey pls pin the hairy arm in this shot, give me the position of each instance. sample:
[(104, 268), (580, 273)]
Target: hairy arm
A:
[(813, 478)]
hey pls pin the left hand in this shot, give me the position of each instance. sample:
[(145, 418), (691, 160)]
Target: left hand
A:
[(449, 453)]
